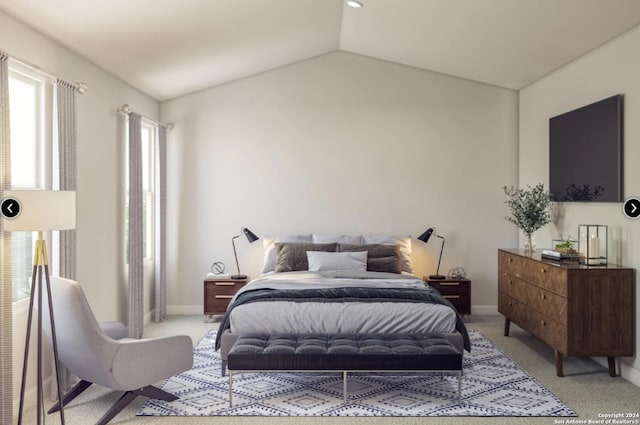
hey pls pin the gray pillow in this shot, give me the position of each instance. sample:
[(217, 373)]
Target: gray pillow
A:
[(380, 258), (293, 256)]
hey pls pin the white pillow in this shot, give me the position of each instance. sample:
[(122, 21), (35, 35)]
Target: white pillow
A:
[(404, 247), (270, 254), (346, 239), (321, 261)]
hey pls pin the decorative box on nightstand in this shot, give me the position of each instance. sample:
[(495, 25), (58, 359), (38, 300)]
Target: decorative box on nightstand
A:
[(456, 291), (218, 293)]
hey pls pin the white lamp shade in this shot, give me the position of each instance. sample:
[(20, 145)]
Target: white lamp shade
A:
[(42, 210)]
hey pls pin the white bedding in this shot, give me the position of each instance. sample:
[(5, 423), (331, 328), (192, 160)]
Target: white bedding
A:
[(349, 317)]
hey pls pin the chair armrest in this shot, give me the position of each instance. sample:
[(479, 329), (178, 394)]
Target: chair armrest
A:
[(139, 363), (115, 330)]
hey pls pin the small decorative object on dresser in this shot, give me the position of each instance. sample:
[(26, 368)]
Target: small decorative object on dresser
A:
[(593, 245), (529, 209), (456, 290), (576, 309), (218, 293)]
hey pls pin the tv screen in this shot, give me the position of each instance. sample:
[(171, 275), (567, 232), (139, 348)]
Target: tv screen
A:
[(585, 153)]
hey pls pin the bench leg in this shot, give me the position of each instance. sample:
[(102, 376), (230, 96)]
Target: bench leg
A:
[(459, 386), (344, 385), (230, 389)]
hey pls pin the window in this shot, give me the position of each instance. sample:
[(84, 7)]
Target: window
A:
[(30, 109), (148, 137)]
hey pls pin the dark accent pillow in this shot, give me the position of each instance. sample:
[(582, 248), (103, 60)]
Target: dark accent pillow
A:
[(380, 258), (292, 257)]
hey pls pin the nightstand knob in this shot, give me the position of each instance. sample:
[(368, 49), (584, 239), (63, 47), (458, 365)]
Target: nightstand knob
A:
[(543, 296), (544, 323), (510, 259), (543, 270)]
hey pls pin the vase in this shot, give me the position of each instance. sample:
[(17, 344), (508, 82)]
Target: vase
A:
[(529, 247)]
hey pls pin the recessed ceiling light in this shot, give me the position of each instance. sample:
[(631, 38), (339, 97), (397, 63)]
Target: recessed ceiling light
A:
[(354, 3)]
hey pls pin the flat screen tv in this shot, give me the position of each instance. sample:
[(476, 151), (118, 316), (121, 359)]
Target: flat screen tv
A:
[(585, 153)]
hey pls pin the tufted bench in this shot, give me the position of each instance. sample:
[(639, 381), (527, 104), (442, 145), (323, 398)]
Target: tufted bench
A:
[(344, 352)]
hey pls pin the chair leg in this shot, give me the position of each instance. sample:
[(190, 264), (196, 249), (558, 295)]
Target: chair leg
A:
[(223, 368), (148, 391), (74, 392), (155, 392), (116, 408)]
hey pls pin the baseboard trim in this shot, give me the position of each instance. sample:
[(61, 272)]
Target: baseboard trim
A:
[(191, 310), (625, 371), (484, 309), (31, 397)]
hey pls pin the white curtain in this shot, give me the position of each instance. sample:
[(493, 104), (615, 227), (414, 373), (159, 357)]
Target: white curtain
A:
[(136, 241), (67, 140), (6, 331), (161, 225)]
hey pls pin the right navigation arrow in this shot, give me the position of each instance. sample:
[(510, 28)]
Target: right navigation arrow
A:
[(631, 208)]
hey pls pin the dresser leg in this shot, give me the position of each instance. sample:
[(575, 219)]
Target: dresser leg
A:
[(559, 368), (612, 366), (507, 322)]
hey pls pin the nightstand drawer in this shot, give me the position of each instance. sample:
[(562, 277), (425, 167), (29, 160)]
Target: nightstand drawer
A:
[(456, 291), (219, 292)]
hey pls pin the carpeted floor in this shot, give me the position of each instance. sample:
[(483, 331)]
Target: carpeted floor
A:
[(586, 388), (493, 385)]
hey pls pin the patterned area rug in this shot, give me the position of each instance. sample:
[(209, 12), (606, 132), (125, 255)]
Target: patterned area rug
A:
[(493, 385)]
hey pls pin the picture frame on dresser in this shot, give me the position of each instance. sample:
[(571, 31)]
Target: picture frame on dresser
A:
[(576, 309)]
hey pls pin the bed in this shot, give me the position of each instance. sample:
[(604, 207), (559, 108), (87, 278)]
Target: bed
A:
[(338, 284)]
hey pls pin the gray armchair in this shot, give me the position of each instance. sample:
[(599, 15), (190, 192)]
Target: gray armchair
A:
[(102, 354)]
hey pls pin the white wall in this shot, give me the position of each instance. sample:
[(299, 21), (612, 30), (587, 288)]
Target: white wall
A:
[(100, 172), (611, 69), (340, 144)]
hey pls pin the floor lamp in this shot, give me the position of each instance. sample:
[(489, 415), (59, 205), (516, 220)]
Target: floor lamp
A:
[(39, 210)]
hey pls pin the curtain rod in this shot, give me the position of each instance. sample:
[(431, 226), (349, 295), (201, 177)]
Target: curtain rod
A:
[(126, 110), (78, 86)]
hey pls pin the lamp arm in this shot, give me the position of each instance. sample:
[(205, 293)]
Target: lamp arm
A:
[(440, 259), (233, 242)]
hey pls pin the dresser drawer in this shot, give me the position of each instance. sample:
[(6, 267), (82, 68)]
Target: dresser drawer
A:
[(548, 330), (541, 326), (541, 274), (512, 286), (510, 308), (547, 303)]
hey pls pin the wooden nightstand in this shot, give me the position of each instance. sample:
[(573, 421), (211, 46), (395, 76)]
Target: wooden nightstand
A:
[(457, 291), (218, 293)]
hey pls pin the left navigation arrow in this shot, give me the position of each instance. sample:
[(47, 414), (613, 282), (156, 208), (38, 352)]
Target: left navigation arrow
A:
[(10, 208)]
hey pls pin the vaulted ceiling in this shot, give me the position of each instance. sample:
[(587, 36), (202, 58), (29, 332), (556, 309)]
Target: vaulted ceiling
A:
[(168, 48)]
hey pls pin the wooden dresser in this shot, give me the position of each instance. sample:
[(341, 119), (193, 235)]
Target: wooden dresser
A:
[(577, 310)]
